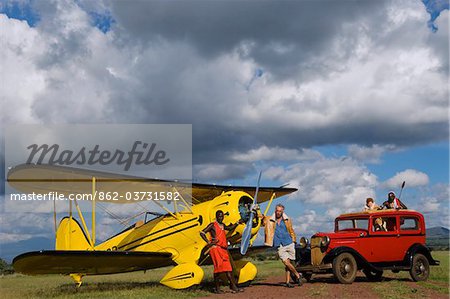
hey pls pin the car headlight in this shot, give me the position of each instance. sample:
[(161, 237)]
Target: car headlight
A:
[(325, 242), (303, 242)]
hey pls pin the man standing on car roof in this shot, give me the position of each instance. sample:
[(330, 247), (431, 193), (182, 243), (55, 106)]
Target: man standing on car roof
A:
[(280, 234), (393, 202)]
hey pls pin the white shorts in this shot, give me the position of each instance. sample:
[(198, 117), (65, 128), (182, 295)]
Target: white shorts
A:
[(287, 252)]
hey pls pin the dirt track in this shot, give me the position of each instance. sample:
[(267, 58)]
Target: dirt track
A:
[(326, 287)]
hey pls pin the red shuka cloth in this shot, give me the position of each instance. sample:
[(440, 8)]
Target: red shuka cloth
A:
[(219, 252)]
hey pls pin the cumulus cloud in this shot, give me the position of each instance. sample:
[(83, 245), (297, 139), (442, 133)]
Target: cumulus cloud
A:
[(412, 177), (218, 172), (265, 153), (23, 226), (433, 202), (310, 222), (353, 83), (342, 183), (430, 205), (369, 154), (371, 75)]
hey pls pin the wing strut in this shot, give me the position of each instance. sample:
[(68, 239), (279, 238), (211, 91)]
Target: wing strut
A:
[(93, 210), (270, 202), (84, 223), (54, 216)]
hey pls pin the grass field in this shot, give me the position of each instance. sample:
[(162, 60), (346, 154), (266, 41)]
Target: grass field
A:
[(127, 285), (438, 280), (145, 285)]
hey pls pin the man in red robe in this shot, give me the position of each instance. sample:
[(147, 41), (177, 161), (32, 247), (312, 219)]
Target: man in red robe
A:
[(393, 202), (218, 251)]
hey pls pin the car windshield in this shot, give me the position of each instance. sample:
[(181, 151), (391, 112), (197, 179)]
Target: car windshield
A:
[(345, 224)]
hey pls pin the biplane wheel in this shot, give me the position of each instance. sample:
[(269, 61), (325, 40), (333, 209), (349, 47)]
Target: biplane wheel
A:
[(78, 279)]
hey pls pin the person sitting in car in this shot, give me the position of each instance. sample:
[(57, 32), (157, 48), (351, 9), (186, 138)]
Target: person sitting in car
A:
[(380, 225), (391, 224), (370, 205)]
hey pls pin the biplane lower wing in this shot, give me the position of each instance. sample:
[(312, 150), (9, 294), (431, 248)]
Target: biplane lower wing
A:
[(88, 262)]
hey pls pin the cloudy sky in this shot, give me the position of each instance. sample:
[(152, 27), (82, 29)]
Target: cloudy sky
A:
[(341, 99)]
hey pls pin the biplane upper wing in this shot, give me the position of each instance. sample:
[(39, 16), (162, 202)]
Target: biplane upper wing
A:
[(42, 178), (205, 192), (88, 262)]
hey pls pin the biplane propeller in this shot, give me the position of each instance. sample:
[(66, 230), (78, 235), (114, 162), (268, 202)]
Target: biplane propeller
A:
[(171, 239), (247, 234)]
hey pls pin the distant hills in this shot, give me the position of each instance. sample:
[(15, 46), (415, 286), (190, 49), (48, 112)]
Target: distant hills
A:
[(437, 231), (9, 250), (438, 238)]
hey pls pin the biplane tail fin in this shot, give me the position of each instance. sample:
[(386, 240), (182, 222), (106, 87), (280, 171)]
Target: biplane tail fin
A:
[(70, 236)]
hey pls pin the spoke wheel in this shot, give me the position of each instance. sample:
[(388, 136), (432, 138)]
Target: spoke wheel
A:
[(345, 268), (420, 268)]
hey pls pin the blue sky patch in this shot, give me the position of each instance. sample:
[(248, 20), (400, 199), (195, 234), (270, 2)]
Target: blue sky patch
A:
[(21, 11), (102, 21)]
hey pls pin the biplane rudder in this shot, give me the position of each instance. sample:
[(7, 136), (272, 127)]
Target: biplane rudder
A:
[(70, 236)]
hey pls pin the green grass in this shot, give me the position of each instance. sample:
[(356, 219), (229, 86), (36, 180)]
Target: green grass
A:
[(269, 268), (437, 273), (126, 285), (440, 273), (443, 289), (396, 287), (146, 285)]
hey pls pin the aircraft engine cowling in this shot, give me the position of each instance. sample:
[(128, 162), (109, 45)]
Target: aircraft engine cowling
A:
[(235, 205)]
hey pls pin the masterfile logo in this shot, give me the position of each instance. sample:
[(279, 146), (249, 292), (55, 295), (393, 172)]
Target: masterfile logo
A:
[(127, 162), (140, 153)]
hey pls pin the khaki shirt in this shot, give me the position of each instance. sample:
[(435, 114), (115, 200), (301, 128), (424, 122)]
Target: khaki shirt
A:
[(269, 223)]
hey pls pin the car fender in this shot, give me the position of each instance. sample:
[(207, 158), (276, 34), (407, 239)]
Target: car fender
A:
[(422, 249), (302, 256), (360, 260)]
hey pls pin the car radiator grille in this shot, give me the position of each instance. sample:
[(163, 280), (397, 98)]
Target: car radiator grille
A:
[(316, 253)]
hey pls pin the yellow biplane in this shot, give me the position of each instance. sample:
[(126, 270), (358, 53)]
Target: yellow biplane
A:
[(171, 239)]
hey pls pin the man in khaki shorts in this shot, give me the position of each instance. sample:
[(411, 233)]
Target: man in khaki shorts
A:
[(280, 234)]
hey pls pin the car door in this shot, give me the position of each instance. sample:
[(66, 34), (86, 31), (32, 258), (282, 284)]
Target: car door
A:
[(410, 232), (381, 245)]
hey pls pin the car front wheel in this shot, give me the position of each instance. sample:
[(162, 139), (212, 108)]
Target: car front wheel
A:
[(345, 268), (420, 269)]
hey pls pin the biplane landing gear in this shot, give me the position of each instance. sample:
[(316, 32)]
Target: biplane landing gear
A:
[(245, 271), (77, 278), (183, 276)]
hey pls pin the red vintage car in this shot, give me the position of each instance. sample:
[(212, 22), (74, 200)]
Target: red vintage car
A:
[(371, 241)]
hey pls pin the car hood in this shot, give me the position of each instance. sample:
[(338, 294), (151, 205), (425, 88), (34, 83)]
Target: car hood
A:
[(343, 234)]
